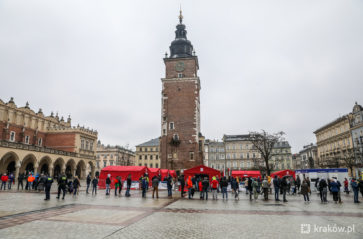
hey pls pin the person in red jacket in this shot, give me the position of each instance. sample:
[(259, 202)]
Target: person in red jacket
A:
[(4, 179), (214, 186), (200, 187)]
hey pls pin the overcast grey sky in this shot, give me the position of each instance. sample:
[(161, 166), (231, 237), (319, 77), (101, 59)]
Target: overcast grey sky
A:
[(276, 65)]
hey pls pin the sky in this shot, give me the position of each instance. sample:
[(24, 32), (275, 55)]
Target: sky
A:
[(289, 66)]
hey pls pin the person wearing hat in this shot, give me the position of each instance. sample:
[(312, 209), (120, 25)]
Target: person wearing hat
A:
[(62, 184)]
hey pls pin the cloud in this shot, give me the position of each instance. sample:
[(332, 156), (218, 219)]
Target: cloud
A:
[(274, 65)]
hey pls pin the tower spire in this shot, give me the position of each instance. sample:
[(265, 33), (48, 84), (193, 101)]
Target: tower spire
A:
[(180, 15)]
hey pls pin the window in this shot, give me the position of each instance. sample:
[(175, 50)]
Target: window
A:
[(171, 125), (222, 156), (111, 162), (180, 75), (228, 156), (145, 157), (157, 156), (235, 164), (140, 157), (98, 164), (241, 156), (112, 156), (82, 144), (27, 139), (40, 141), (145, 165), (151, 157), (87, 144), (104, 163), (140, 149), (145, 149), (91, 145), (248, 155), (191, 155), (156, 165), (151, 165), (140, 164)]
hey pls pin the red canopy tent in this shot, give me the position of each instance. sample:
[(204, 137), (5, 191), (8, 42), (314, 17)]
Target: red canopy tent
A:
[(164, 173), (246, 174), (123, 171), (283, 173), (152, 172), (172, 173), (201, 169)]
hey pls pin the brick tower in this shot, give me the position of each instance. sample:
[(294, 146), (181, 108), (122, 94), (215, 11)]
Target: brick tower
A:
[(181, 142)]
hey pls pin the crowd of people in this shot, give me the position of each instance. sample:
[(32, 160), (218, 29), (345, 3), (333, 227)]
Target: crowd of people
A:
[(192, 184)]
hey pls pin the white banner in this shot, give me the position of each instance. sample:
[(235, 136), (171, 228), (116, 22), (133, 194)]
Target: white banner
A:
[(134, 185), (163, 185)]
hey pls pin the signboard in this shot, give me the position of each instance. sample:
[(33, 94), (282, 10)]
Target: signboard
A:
[(134, 184), (163, 185)]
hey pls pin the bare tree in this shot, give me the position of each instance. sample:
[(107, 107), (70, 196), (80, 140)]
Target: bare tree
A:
[(264, 143), (349, 159)]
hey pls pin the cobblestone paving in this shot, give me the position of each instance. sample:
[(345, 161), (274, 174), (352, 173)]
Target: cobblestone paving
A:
[(27, 215)]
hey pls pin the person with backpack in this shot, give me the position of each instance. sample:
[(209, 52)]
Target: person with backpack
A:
[(265, 187), (62, 184), (108, 184), (94, 185), (214, 186), (88, 181), (323, 190), (155, 183), (334, 188)]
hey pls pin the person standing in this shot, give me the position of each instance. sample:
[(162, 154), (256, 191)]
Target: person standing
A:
[(355, 188), (94, 185), (346, 186), (47, 185), (189, 187), (169, 184), (20, 181), (128, 186), (108, 184), (360, 186), (144, 185), (323, 190), (224, 185), (265, 187), (4, 179), (62, 184), (11, 180), (284, 187), (205, 185), (255, 186), (214, 186), (76, 185), (334, 188), (276, 183), (155, 183), (88, 181), (298, 184), (246, 185), (182, 184), (305, 191), (308, 182), (250, 188)]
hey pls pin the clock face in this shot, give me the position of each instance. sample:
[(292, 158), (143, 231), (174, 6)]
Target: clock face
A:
[(179, 66)]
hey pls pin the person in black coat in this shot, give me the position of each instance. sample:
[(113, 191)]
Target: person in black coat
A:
[(48, 184), (249, 188), (88, 181), (182, 184), (94, 185), (284, 187), (205, 185), (276, 183), (62, 184)]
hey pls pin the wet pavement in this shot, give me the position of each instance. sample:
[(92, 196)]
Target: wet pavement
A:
[(27, 215)]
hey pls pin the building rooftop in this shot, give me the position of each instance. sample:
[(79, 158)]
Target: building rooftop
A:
[(150, 143)]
